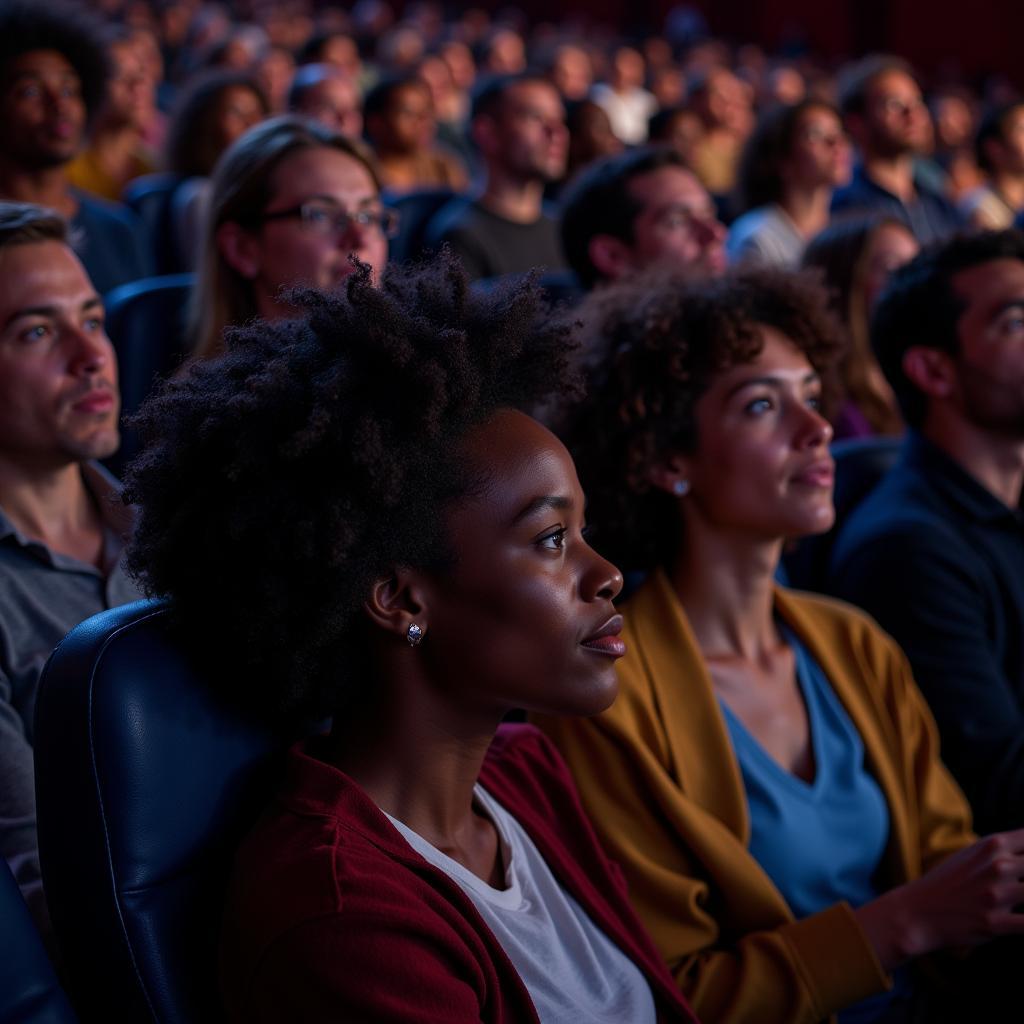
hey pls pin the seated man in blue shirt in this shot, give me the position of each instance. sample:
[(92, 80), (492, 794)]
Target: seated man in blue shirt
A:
[(886, 118), (61, 525), (53, 71), (936, 551)]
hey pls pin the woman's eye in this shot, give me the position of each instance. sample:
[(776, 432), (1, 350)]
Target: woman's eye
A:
[(553, 541), (758, 406), (814, 402)]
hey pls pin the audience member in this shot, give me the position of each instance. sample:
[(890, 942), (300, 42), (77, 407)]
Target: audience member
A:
[(60, 531), (217, 109), (433, 577), (627, 103), (936, 551), (275, 71), (640, 209), (116, 151), (791, 164), (1000, 154), (855, 256), (399, 117), (290, 204), (678, 127), (887, 119), (590, 135), (52, 77), (725, 105), (571, 72), (518, 126), (953, 113), (326, 94), (768, 777)]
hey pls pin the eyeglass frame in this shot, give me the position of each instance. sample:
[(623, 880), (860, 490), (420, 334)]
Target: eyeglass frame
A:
[(386, 218)]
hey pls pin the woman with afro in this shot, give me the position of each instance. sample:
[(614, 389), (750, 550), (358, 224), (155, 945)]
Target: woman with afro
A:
[(768, 776), (353, 505)]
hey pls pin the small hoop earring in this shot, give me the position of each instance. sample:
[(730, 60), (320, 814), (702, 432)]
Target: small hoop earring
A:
[(414, 635), (681, 487)]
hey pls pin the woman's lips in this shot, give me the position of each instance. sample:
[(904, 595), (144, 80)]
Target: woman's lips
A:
[(606, 640)]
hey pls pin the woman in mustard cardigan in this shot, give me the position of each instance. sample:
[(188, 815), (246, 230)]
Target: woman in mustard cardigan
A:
[(769, 776)]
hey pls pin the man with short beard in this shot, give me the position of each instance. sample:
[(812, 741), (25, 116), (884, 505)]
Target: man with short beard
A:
[(518, 127), (61, 525), (885, 116), (936, 551)]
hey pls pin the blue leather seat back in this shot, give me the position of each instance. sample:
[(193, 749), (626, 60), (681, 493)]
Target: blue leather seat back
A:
[(146, 323), (29, 990), (145, 784), (415, 210), (150, 196), (860, 465)]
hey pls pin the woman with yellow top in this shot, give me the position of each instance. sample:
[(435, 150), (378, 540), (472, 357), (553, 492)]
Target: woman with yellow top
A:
[(769, 776)]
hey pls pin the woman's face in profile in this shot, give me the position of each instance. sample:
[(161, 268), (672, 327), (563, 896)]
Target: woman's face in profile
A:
[(524, 618), (762, 467)]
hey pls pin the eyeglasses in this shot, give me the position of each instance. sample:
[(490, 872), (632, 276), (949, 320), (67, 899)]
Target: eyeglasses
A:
[(329, 220)]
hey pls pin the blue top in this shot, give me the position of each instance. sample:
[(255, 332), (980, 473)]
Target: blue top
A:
[(820, 842)]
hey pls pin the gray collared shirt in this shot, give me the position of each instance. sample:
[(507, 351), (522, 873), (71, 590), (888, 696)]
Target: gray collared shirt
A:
[(43, 594)]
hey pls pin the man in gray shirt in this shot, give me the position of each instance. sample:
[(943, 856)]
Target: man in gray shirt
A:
[(61, 525)]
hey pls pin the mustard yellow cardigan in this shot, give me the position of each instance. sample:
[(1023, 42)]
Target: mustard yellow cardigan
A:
[(661, 783)]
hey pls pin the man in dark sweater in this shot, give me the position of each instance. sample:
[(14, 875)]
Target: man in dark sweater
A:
[(518, 126), (936, 552), (886, 117)]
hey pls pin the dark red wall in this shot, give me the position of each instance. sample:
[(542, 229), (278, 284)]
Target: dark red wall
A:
[(977, 36)]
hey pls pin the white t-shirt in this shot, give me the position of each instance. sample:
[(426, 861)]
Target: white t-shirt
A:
[(572, 970)]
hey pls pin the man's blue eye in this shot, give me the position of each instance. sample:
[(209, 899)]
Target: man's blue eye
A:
[(758, 406)]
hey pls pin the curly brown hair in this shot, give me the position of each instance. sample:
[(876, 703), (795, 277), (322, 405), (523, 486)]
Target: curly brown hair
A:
[(656, 342), (282, 479)]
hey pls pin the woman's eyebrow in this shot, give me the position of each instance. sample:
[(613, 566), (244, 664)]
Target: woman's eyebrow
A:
[(543, 503), (771, 380)]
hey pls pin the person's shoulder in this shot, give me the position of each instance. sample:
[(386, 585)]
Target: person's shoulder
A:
[(96, 212), (840, 625), (904, 509)]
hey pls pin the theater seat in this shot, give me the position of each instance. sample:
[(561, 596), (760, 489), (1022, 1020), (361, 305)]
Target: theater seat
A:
[(150, 197), (860, 464), (146, 323), (29, 990), (145, 784), (415, 210)]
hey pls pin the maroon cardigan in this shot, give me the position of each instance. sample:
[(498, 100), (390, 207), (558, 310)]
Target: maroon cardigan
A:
[(332, 916)]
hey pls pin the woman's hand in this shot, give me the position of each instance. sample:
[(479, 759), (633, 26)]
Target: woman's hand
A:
[(973, 896)]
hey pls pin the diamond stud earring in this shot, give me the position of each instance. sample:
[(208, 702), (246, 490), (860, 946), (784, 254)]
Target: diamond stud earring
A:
[(414, 635)]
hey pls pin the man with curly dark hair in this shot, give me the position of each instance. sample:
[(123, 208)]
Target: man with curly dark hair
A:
[(349, 507), (768, 776), (53, 71)]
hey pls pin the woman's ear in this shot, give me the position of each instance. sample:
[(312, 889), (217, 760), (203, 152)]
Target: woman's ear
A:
[(240, 249), (671, 475), (398, 605)]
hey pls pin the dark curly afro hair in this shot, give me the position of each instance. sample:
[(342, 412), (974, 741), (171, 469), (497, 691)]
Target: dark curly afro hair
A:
[(654, 344), (27, 25), (282, 479)]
